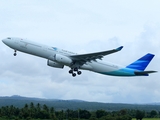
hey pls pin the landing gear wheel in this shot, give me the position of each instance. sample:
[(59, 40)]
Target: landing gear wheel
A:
[(70, 71), (79, 72), (73, 74), (15, 54), (76, 69)]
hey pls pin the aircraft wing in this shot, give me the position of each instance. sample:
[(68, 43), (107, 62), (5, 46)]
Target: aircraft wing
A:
[(83, 58)]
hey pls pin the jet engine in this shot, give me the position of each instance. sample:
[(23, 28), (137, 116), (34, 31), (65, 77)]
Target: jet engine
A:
[(63, 59), (54, 64)]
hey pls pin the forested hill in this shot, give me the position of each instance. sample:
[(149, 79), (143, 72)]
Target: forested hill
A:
[(19, 101)]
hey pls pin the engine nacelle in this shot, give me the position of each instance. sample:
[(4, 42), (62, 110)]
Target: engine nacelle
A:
[(63, 59), (54, 64)]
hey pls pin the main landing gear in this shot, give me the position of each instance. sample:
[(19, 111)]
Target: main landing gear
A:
[(73, 73), (15, 52)]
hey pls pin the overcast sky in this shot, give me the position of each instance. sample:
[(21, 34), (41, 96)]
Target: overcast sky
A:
[(81, 26)]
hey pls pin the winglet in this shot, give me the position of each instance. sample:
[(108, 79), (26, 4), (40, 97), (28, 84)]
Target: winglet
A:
[(119, 48)]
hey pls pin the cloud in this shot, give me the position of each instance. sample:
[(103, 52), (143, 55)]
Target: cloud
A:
[(81, 27)]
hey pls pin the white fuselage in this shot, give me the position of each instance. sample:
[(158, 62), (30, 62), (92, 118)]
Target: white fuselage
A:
[(49, 53)]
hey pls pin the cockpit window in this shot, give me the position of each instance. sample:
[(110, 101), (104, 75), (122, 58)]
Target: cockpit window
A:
[(8, 38)]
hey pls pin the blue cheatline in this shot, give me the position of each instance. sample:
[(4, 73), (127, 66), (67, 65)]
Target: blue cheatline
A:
[(54, 48)]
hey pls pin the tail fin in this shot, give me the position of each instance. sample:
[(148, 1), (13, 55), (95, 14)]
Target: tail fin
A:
[(141, 63)]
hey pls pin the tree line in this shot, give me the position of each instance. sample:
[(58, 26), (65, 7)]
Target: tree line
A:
[(38, 111)]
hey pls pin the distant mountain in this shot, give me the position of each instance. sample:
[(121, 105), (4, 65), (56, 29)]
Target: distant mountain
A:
[(156, 103), (37, 99), (19, 101)]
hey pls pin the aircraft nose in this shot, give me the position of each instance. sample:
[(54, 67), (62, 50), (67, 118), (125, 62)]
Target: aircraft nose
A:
[(6, 41)]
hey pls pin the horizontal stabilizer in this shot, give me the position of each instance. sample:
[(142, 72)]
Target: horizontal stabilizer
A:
[(143, 72)]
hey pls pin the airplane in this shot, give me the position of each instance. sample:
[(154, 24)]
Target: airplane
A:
[(58, 58)]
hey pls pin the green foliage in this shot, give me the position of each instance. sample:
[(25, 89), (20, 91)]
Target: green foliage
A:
[(33, 111), (74, 105), (100, 113), (38, 111), (84, 114), (140, 115), (153, 113), (147, 119)]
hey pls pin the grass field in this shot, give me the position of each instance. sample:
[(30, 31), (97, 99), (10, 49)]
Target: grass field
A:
[(148, 119)]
